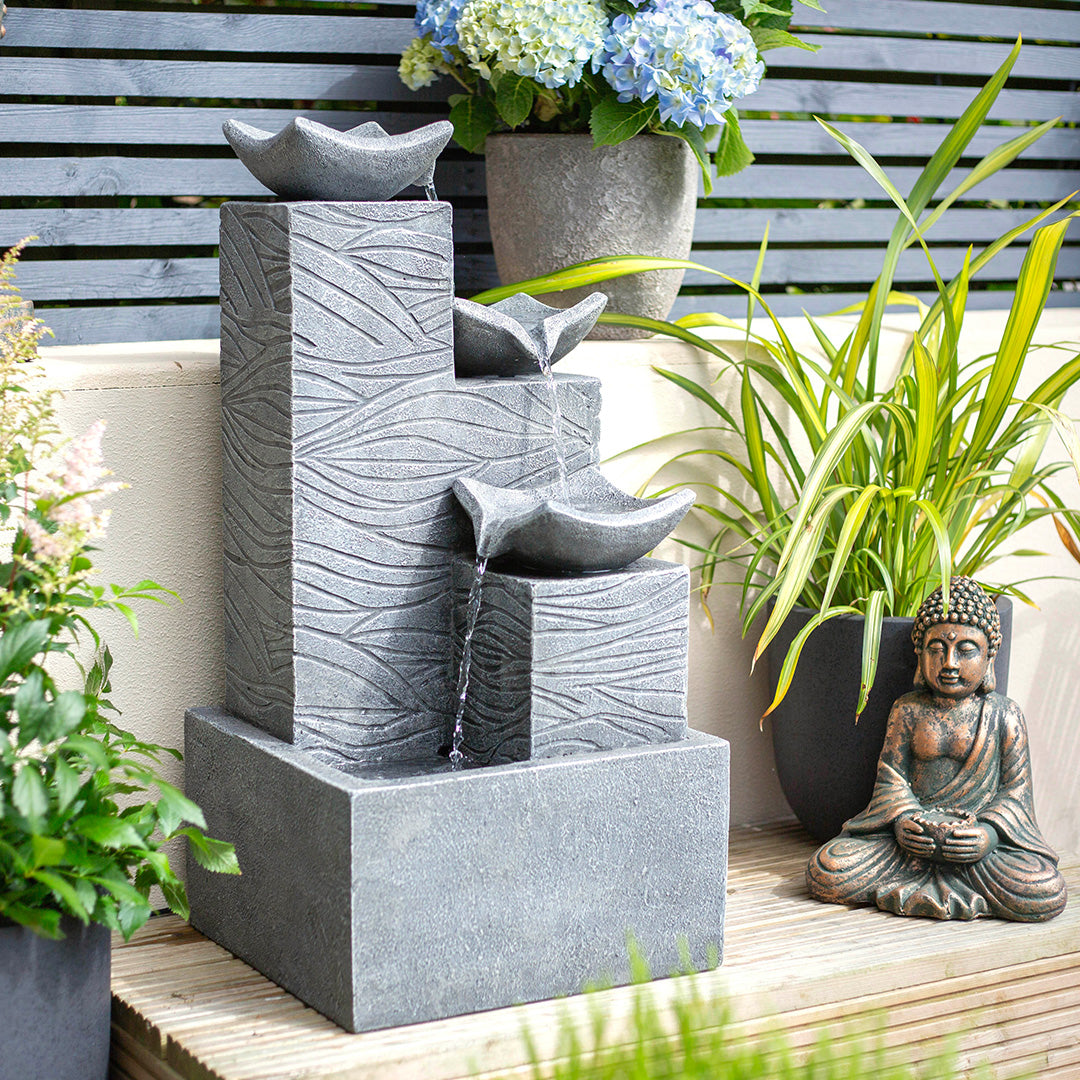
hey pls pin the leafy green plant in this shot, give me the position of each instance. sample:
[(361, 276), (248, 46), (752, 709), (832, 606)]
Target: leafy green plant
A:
[(67, 844), (904, 481), (694, 1037)]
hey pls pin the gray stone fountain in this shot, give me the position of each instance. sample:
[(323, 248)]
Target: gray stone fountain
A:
[(380, 885)]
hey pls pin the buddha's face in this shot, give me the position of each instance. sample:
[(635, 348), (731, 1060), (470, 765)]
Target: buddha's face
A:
[(954, 659)]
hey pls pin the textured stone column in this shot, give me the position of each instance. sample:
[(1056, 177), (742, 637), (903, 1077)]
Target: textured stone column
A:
[(562, 665), (344, 429)]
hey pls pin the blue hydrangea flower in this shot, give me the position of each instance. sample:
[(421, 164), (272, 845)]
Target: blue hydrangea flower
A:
[(437, 20), (549, 41), (695, 61)]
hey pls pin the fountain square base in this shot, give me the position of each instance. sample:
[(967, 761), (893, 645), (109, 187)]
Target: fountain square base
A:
[(565, 664), (400, 894)]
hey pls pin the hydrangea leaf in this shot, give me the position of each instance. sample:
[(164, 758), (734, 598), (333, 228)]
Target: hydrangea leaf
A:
[(696, 141), (772, 37), (474, 118), (613, 121), (514, 98), (732, 153)]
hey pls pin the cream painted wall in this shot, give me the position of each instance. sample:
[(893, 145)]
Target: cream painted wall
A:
[(162, 405)]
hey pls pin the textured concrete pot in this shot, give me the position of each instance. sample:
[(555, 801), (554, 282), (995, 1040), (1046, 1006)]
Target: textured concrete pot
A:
[(825, 762), (555, 200), (54, 1003)]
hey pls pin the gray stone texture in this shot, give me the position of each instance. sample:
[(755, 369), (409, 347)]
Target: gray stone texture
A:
[(383, 901), (556, 199), (343, 431), (562, 665)]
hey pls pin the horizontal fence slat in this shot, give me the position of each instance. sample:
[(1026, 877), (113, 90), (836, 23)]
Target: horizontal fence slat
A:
[(175, 125), (942, 17), (141, 279), (156, 322), (928, 56), (824, 96), (57, 76), (117, 279), (196, 31), (110, 175), (897, 140), (87, 227), (142, 125), (841, 225)]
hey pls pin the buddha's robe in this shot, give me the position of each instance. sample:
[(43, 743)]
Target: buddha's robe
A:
[(1018, 880)]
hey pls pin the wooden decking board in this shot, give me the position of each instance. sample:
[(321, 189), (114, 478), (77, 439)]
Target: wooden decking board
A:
[(184, 1009)]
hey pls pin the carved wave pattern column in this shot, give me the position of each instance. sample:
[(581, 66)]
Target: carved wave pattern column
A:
[(256, 339)]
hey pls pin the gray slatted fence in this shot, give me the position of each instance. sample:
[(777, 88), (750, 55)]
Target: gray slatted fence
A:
[(113, 154)]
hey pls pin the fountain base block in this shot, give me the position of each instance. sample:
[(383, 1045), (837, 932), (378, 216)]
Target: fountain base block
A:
[(394, 895)]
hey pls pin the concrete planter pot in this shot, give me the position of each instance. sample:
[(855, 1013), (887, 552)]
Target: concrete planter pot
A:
[(825, 762), (555, 200), (54, 1003)]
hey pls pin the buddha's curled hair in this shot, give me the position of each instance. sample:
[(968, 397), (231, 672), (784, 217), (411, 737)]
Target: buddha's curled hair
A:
[(969, 605)]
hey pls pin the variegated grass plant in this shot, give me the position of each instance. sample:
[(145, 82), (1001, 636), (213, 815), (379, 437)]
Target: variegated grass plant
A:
[(903, 482)]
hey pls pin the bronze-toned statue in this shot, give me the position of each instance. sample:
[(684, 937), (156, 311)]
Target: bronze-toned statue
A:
[(950, 832)]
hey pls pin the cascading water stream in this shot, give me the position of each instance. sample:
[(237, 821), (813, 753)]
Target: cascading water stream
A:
[(457, 755), (429, 191), (556, 423)]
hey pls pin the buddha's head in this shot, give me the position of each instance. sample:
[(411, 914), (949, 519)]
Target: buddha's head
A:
[(956, 649)]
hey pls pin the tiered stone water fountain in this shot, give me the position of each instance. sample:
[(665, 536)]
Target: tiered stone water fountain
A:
[(380, 885)]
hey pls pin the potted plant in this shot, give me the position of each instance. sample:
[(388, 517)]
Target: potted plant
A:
[(905, 480), (571, 102), (81, 832)]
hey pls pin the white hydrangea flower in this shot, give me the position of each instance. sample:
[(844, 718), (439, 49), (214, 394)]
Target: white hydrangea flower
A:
[(549, 41), (421, 64)]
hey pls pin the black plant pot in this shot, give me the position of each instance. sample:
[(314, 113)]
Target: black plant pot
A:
[(826, 763), (54, 1003)]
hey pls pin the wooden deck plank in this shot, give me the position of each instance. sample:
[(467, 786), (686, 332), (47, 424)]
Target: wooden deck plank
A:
[(184, 1009)]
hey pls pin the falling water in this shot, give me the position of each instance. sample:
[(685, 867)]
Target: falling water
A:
[(556, 423), (429, 191), (457, 756)]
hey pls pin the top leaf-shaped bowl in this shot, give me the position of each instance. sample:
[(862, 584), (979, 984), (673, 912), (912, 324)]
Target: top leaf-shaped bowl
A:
[(590, 525), (518, 335), (307, 160)]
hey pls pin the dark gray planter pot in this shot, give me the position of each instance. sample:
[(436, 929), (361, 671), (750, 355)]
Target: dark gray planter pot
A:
[(555, 200), (826, 763), (54, 1003)]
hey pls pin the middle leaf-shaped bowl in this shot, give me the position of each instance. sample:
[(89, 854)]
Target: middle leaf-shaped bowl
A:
[(588, 525)]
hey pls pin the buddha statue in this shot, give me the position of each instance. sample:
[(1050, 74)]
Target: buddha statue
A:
[(950, 832)]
